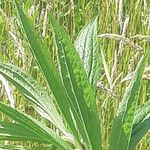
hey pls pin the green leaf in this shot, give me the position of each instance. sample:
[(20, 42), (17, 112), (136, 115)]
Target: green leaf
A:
[(34, 126), (87, 46), (122, 126), (142, 112), (34, 93), (18, 147), (78, 87), (141, 124), (14, 147), (17, 132), (46, 65)]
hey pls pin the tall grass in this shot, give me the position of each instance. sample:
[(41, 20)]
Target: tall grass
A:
[(126, 18)]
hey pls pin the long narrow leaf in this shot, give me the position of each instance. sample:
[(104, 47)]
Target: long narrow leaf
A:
[(17, 132), (18, 147), (14, 147), (78, 87), (87, 46), (139, 132), (34, 92), (123, 123), (142, 112), (44, 61), (34, 126), (141, 124)]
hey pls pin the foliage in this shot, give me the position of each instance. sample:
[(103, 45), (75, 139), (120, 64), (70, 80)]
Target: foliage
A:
[(72, 107)]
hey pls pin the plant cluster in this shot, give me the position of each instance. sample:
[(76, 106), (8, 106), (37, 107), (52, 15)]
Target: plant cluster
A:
[(72, 107)]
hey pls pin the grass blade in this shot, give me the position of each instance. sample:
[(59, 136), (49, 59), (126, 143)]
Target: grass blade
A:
[(78, 87), (44, 61), (141, 124), (123, 123), (34, 126), (87, 46), (142, 112), (139, 131), (14, 147), (34, 93), (18, 147), (17, 132)]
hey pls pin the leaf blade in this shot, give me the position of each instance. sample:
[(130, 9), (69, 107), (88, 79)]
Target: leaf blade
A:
[(123, 123), (17, 132), (87, 46), (34, 125), (78, 87), (33, 91), (141, 124), (44, 61)]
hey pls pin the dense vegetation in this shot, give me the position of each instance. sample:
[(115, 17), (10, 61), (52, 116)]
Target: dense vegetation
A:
[(75, 74)]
